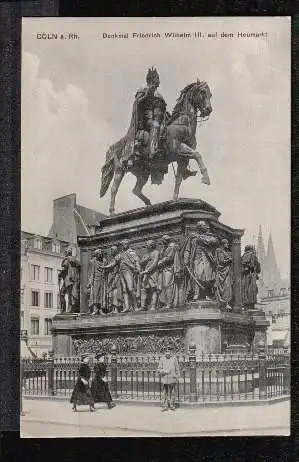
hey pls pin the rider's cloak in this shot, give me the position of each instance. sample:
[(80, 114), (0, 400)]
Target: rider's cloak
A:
[(124, 148)]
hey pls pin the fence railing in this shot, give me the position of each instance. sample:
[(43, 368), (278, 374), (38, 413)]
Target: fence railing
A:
[(203, 377)]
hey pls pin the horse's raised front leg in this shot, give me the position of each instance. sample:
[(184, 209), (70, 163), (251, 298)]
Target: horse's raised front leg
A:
[(182, 166), (140, 183), (118, 176), (203, 169), (193, 154)]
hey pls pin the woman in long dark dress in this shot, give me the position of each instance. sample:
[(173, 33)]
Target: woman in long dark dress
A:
[(82, 393), (99, 387)]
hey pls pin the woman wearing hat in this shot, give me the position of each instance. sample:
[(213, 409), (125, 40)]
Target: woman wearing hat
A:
[(82, 393), (99, 387)]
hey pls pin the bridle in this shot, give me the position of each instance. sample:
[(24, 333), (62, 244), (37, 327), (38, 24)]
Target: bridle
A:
[(199, 119)]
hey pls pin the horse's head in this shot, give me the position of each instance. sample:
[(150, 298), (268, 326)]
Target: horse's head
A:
[(200, 97)]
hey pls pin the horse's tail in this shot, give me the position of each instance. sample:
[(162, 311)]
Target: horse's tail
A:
[(113, 154), (107, 175)]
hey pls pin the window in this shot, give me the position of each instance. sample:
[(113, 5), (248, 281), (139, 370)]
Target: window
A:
[(48, 274), (58, 301), (48, 300), (35, 298), (34, 326), (37, 243), (48, 326), (25, 245), (270, 293), (22, 296), (35, 272), (56, 247), (22, 320), (283, 291)]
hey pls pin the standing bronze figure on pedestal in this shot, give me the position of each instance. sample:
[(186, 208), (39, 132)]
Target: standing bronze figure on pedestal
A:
[(250, 271), (70, 289)]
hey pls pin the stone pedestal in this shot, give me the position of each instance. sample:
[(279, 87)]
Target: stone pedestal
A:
[(62, 341), (200, 323), (260, 330), (206, 337), (63, 344)]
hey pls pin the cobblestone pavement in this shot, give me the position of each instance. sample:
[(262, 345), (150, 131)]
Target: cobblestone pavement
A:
[(46, 418)]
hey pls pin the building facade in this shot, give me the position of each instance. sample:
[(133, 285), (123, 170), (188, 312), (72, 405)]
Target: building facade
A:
[(277, 311), (71, 220), (41, 258), (271, 284), (274, 294)]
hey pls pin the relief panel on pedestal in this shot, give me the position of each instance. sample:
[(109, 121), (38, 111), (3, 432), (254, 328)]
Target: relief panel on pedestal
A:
[(164, 274), (144, 343)]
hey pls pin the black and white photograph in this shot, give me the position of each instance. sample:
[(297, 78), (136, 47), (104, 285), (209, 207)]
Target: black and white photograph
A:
[(155, 227)]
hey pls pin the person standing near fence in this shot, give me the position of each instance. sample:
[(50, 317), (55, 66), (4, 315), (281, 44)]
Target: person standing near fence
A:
[(170, 372), (82, 393), (99, 386)]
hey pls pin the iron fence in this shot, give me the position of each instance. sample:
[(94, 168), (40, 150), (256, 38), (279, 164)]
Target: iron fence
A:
[(203, 377)]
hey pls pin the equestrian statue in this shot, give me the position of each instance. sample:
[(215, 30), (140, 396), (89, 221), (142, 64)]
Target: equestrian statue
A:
[(156, 138)]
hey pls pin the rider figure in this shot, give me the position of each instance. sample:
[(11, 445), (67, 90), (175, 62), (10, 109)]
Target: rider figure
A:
[(148, 121)]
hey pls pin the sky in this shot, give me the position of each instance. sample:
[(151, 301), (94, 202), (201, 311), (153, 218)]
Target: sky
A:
[(77, 98)]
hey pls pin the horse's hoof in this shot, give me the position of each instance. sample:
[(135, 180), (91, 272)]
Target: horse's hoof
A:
[(206, 180)]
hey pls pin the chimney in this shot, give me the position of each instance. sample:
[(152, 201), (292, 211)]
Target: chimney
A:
[(64, 225)]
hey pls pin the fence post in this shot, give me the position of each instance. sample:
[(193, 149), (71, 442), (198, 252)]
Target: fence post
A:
[(262, 370), (50, 367), (192, 365), (21, 386), (113, 372), (286, 373)]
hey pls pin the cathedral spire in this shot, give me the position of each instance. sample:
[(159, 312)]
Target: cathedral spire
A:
[(271, 268), (260, 249)]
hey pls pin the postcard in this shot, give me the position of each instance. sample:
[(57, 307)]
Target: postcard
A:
[(155, 264)]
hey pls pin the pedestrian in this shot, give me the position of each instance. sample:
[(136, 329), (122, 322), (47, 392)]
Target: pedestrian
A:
[(82, 393), (169, 372), (99, 386)]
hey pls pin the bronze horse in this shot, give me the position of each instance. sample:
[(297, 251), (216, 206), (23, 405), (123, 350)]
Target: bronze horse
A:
[(193, 103)]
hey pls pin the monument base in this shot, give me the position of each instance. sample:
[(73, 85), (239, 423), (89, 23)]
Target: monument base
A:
[(202, 324)]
